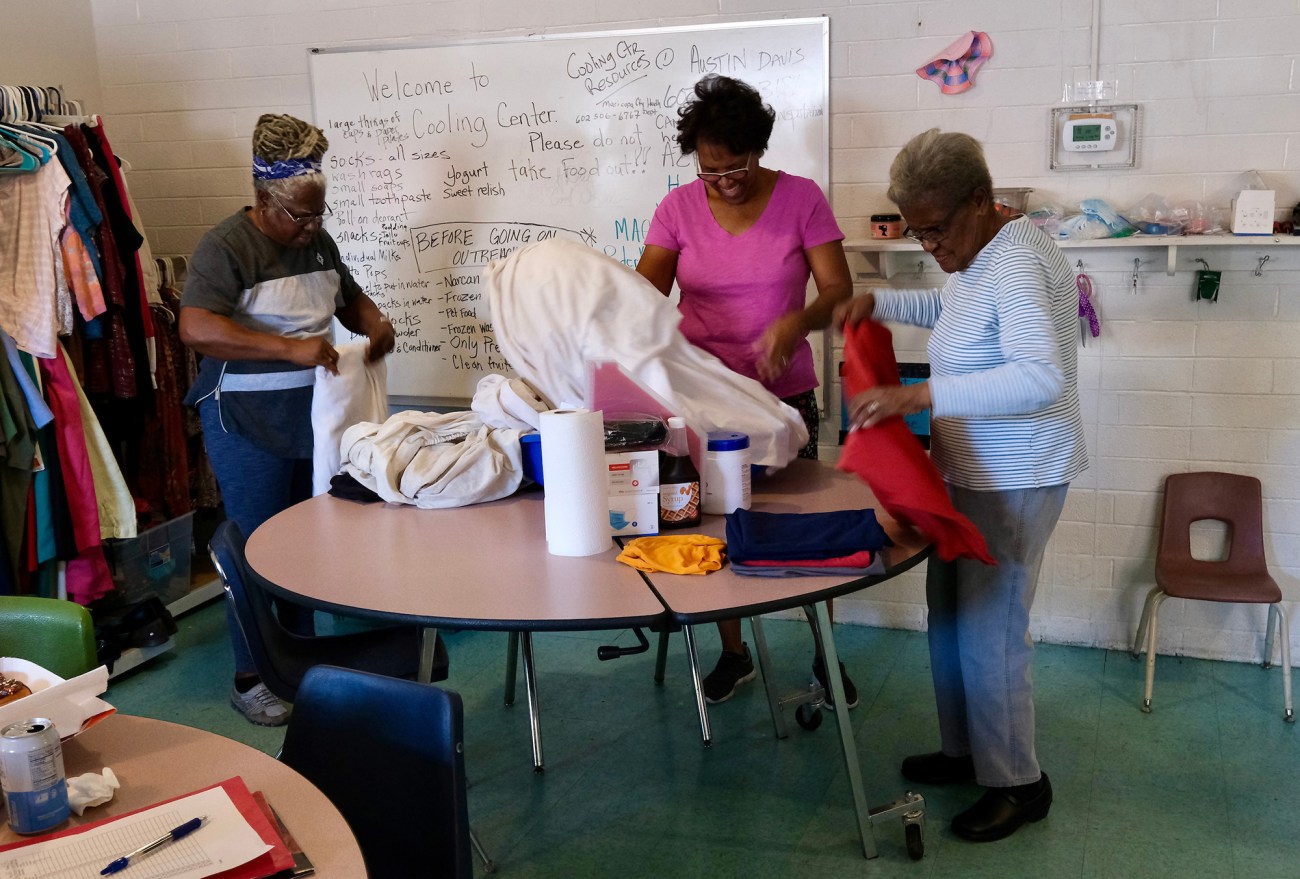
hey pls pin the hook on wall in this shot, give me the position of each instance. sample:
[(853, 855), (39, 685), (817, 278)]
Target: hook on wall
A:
[(1205, 265), (1259, 269)]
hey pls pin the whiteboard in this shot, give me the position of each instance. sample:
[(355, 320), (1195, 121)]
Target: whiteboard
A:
[(444, 158)]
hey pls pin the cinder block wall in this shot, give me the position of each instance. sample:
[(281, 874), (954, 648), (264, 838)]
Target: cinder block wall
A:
[(1172, 385)]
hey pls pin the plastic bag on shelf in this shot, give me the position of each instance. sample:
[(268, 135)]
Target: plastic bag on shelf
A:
[(1047, 217), (1154, 215), (1082, 227)]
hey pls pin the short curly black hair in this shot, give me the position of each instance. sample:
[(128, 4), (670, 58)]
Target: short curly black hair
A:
[(726, 112)]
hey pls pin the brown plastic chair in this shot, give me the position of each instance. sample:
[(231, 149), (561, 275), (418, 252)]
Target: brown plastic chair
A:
[(1242, 577)]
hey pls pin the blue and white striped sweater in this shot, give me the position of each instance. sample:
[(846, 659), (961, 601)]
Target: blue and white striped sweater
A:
[(1003, 364)]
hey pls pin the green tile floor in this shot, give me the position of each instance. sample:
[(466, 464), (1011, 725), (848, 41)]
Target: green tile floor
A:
[(1204, 787)]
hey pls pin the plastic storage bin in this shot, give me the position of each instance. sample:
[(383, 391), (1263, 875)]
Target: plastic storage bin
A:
[(156, 562)]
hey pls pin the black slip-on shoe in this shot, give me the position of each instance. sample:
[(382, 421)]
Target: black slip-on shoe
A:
[(1004, 810)]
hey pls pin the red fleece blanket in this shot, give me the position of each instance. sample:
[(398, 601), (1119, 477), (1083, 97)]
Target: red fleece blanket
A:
[(890, 459)]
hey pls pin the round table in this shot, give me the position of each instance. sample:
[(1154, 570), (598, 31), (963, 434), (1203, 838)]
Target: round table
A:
[(156, 760)]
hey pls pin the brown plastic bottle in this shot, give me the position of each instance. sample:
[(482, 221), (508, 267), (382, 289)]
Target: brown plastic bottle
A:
[(679, 481)]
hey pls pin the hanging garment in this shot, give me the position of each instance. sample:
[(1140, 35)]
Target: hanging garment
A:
[(74, 455), (433, 460), (113, 498), (556, 305), (109, 367), (82, 279), (17, 457), (32, 217), (890, 459), (163, 474), (358, 393)]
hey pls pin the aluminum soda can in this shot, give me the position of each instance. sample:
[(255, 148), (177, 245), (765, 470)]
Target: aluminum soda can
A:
[(31, 773)]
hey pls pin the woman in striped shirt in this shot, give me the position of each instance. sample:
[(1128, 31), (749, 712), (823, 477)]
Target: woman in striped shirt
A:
[(1007, 437)]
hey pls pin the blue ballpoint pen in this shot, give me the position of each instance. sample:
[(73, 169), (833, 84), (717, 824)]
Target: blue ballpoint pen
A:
[(184, 830)]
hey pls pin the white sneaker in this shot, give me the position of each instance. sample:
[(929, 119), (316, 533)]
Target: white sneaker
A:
[(260, 706)]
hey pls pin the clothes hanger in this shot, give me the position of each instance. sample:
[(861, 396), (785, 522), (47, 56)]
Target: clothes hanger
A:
[(26, 161), (42, 147)]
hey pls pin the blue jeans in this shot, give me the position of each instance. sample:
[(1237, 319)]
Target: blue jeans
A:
[(254, 487), (980, 649)]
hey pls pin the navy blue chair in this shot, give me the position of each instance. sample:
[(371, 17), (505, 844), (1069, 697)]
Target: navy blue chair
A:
[(389, 754), (283, 658)]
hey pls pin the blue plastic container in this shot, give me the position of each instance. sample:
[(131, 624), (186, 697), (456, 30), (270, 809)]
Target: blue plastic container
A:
[(531, 443)]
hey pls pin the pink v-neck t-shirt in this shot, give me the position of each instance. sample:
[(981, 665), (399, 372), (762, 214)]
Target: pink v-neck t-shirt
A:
[(734, 286)]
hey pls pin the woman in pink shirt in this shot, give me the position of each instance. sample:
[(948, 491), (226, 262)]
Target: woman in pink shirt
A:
[(741, 243)]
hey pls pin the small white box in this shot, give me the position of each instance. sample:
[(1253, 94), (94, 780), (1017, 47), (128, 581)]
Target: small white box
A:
[(1252, 212), (633, 492)]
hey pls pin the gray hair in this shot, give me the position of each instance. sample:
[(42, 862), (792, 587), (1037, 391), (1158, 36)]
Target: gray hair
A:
[(941, 166)]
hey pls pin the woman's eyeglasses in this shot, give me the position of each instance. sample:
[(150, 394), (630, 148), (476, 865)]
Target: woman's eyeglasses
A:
[(737, 174), (937, 233), (302, 219)]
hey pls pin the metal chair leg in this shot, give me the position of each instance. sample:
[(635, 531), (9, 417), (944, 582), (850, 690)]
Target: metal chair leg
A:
[(1268, 637), (1140, 637), (1155, 599), (489, 865), (1284, 635)]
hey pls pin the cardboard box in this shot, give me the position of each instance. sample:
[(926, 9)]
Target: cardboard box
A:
[(633, 492), (72, 705)]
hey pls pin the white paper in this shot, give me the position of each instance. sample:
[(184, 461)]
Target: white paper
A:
[(225, 841), (68, 703), (577, 485)]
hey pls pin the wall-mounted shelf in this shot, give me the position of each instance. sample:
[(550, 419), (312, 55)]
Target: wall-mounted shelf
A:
[(891, 248)]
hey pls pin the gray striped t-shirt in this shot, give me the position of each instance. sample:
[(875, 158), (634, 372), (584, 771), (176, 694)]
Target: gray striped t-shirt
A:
[(1003, 364)]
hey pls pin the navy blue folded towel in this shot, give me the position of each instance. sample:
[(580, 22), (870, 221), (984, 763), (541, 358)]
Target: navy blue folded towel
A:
[(795, 536)]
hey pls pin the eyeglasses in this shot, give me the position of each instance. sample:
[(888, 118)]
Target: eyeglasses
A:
[(937, 233), (737, 174), (303, 219)]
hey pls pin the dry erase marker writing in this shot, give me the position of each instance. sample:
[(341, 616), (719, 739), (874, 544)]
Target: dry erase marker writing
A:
[(184, 830)]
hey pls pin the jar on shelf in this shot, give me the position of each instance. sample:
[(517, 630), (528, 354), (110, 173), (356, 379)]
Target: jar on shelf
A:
[(886, 225)]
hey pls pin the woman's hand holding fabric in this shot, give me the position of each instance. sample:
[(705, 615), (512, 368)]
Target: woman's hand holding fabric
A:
[(876, 404), (855, 310)]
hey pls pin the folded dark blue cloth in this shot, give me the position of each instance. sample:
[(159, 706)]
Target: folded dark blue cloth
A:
[(797, 536)]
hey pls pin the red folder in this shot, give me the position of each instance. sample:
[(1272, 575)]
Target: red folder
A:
[(267, 864), (890, 459)]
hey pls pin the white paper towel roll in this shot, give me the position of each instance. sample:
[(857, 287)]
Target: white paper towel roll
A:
[(577, 485)]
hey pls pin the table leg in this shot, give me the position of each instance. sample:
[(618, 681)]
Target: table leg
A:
[(512, 663), (769, 679), (827, 638), (534, 712), (661, 658), (428, 649), (694, 659)]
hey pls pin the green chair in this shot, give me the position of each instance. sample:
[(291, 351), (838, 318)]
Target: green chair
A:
[(57, 635)]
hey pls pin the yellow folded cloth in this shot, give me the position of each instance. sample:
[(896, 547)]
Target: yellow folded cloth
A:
[(675, 554)]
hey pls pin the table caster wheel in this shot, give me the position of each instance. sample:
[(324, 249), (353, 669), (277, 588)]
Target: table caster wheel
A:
[(808, 716), (915, 841)]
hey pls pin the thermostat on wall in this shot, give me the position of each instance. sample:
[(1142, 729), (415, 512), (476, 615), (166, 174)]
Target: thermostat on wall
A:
[(1089, 132), (1094, 137)]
